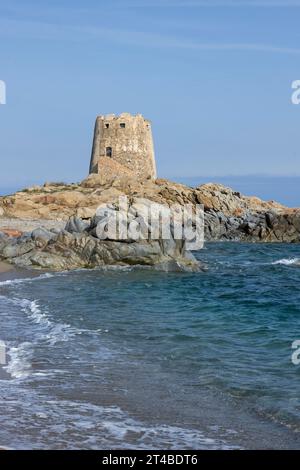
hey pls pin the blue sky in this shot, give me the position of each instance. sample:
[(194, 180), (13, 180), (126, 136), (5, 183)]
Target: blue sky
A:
[(213, 76)]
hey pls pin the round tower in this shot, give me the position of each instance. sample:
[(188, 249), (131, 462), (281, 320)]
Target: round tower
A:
[(123, 145)]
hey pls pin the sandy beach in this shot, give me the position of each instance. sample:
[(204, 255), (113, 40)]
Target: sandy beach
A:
[(6, 272), (5, 267)]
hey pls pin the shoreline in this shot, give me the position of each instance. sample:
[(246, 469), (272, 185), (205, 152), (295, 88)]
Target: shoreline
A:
[(223, 411), (9, 272), (5, 267)]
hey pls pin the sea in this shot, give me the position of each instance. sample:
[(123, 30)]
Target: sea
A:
[(131, 358)]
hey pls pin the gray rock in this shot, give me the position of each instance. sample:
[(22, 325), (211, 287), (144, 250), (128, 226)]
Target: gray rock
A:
[(17, 249), (43, 235), (221, 217), (49, 261), (76, 224), (270, 219), (103, 214), (55, 231), (76, 247)]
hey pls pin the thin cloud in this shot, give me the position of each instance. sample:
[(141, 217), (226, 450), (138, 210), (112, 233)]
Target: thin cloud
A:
[(49, 31), (214, 3), (242, 47)]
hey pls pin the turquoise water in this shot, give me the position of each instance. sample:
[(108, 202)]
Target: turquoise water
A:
[(141, 359)]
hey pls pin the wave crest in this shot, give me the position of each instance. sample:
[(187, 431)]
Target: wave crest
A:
[(288, 261), (20, 359)]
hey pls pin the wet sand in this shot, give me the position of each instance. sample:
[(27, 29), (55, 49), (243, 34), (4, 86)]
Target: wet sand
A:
[(5, 267), (9, 272), (6, 270)]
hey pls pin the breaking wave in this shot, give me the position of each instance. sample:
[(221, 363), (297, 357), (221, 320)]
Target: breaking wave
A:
[(46, 332), (287, 261), (20, 360), (10, 282), (53, 332), (100, 427)]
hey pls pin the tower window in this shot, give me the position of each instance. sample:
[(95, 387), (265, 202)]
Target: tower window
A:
[(122, 124), (106, 125), (108, 151)]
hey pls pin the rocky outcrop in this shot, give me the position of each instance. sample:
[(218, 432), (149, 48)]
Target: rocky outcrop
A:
[(86, 245), (228, 214), (268, 226)]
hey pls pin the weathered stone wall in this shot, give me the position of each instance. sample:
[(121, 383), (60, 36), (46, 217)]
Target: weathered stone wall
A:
[(127, 140)]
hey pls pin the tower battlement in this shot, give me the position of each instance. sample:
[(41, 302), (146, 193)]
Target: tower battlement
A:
[(126, 140)]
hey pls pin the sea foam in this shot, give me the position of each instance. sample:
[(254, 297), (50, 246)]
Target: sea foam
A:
[(20, 359), (287, 261), (52, 332), (9, 282)]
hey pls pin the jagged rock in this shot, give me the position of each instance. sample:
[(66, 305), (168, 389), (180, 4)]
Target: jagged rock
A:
[(61, 201), (53, 261), (42, 235), (76, 224), (18, 249), (228, 214), (11, 232), (84, 212), (77, 247)]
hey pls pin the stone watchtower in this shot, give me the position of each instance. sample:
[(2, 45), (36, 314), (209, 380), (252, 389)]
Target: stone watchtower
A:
[(123, 145)]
